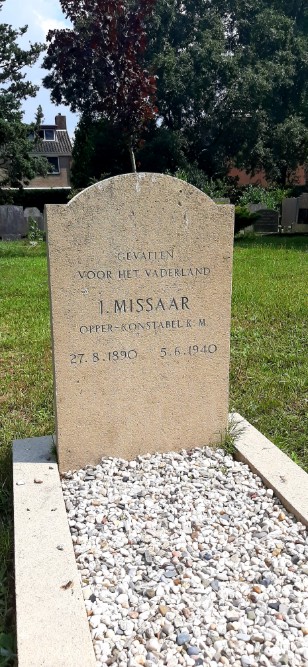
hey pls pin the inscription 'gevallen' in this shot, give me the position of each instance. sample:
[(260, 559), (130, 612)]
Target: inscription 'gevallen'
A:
[(147, 305)]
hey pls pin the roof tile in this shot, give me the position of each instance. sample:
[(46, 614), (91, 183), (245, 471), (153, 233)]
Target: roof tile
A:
[(61, 146)]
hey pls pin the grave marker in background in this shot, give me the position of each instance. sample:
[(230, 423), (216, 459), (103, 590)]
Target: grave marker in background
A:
[(36, 215), (267, 221), (140, 279), (12, 222)]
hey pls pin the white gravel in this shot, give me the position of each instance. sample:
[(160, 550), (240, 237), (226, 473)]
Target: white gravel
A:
[(187, 559)]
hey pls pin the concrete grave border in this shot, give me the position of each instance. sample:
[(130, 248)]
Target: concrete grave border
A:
[(52, 626), (276, 469)]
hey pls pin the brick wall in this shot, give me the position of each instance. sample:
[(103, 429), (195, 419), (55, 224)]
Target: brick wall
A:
[(260, 179), (61, 180)]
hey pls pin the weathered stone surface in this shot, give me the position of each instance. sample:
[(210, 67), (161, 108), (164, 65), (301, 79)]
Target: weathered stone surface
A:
[(11, 237), (254, 208), (140, 276), (52, 623), (267, 221), (289, 212), (35, 214), (12, 222), (303, 200), (302, 219)]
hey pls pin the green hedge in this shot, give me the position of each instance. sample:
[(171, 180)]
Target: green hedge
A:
[(36, 197)]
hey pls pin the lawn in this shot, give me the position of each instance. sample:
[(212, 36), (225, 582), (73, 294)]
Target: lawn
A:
[(269, 363)]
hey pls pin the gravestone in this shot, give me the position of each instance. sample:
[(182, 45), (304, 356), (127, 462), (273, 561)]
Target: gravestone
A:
[(289, 212), (267, 221), (295, 213), (36, 215), (303, 201), (302, 218), (12, 222), (140, 282), (254, 208)]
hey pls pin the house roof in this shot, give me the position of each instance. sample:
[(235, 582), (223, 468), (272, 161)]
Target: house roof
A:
[(61, 146)]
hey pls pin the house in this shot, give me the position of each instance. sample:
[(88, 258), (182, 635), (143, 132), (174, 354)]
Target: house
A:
[(55, 145)]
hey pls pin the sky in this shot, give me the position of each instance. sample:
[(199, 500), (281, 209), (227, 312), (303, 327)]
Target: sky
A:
[(40, 16)]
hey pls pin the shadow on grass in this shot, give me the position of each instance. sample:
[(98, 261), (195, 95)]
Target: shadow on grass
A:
[(297, 242)]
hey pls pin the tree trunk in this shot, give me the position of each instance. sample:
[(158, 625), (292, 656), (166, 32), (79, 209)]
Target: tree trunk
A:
[(132, 155)]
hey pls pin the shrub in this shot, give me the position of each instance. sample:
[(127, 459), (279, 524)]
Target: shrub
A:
[(219, 188), (35, 234), (37, 197), (243, 218), (270, 197)]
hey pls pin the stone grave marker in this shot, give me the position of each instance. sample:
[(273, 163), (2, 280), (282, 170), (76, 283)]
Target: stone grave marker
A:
[(303, 200), (254, 208), (12, 222), (267, 221), (302, 219), (140, 281), (289, 212), (36, 215)]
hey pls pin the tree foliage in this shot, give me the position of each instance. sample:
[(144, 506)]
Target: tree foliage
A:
[(231, 87), (97, 66), (232, 76), (100, 151), (16, 164)]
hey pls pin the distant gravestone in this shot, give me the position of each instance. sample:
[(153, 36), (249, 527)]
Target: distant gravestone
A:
[(289, 212), (140, 281), (36, 215), (12, 222), (303, 200), (254, 208), (302, 218), (267, 221)]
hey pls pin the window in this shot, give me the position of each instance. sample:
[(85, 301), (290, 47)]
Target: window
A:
[(47, 135), (54, 164)]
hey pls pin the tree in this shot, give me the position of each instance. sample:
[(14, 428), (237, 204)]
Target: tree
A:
[(16, 164), (97, 67), (99, 151), (232, 77), (232, 81)]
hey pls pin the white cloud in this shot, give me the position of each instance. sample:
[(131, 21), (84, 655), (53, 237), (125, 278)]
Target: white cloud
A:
[(47, 23), (39, 16)]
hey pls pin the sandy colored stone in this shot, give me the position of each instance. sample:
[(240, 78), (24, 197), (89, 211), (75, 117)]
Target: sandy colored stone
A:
[(52, 626), (140, 277)]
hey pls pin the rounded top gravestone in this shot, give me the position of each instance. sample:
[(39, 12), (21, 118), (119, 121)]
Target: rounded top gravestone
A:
[(140, 280)]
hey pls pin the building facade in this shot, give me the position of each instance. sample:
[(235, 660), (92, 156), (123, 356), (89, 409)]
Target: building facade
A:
[(55, 145)]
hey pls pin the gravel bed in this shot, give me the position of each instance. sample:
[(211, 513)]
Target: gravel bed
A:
[(187, 559)]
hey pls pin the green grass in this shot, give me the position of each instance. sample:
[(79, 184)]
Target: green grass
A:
[(269, 361), (269, 365), (26, 403)]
